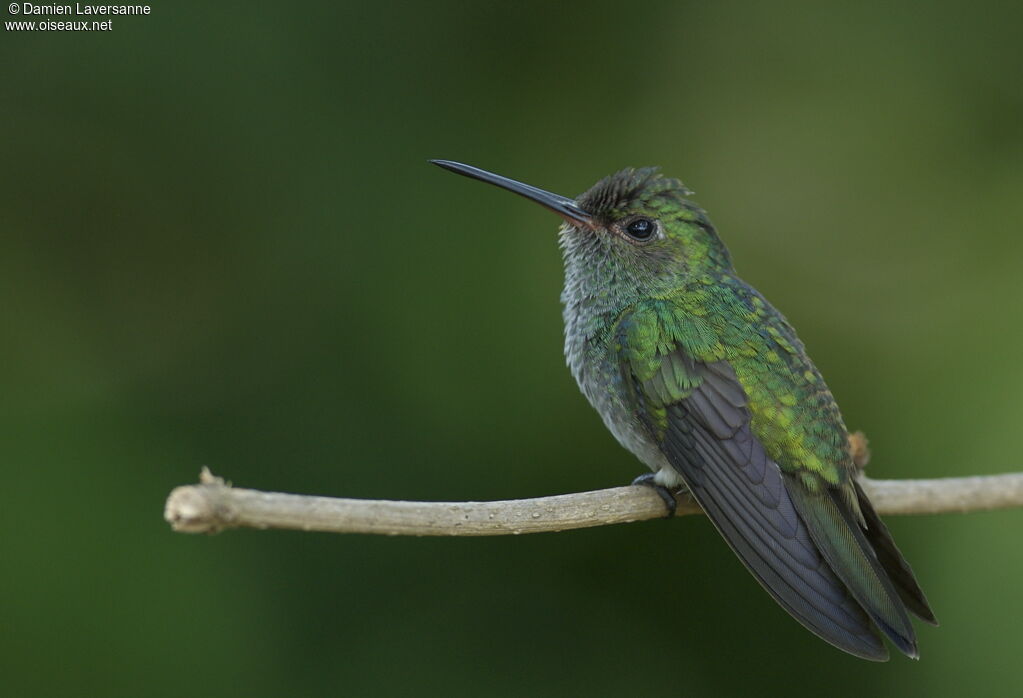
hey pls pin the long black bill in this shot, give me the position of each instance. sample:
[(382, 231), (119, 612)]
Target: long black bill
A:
[(559, 204)]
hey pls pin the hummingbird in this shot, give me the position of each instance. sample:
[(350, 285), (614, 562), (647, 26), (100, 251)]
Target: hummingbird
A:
[(694, 372)]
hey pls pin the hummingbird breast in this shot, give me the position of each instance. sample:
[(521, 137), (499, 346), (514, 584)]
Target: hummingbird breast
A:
[(589, 322)]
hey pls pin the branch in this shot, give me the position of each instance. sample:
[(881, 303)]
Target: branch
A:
[(214, 505)]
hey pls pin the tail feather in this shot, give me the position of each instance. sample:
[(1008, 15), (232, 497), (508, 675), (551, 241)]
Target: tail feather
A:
[(843, 544), (892, 560)]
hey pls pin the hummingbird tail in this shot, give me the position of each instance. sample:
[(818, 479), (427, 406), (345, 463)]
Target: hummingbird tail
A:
[(892, 560), (845, 546)]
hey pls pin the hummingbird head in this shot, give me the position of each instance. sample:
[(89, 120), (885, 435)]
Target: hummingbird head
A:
[(632, 233)]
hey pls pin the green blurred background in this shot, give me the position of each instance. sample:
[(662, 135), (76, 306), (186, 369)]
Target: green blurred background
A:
[(222, 245)]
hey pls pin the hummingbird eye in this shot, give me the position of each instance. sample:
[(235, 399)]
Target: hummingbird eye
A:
[(641, 229)]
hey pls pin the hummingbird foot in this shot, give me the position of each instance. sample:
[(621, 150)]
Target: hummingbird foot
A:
[(650, 480)]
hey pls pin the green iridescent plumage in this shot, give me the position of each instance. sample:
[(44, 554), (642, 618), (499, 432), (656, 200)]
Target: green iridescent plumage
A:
[(712, 318), (697, 374)]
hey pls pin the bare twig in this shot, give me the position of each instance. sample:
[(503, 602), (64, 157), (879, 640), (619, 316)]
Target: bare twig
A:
[(214, 505)]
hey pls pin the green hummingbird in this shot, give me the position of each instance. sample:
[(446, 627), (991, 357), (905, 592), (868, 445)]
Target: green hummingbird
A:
[(705, 382)]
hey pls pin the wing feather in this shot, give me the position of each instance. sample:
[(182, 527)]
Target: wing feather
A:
[(699, 413), (767, 534), (797, 527)]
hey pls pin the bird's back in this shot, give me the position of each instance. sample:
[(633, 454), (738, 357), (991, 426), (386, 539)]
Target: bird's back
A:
[(793, 413)]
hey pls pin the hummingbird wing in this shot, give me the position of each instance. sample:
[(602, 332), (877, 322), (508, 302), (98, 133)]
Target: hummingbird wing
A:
[(698, 412)]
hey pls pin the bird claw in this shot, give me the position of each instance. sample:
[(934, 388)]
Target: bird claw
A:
[(647, 480)]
